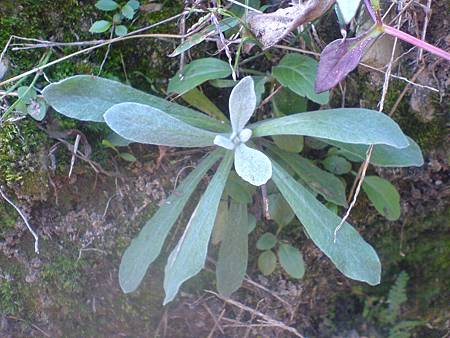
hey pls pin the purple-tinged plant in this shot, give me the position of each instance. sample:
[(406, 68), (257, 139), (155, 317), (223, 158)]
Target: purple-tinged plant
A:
[(342, 56)]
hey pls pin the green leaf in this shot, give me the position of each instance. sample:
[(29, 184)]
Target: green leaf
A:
[(106, 5), (239, 190), (289, 143), (320, 181), (189, 255), (384, 196), (252, 165), (233, 253), (198, 38), (117, 140), (349, 125), (127, 11), (279, 210), (121, 30), (267, 262), (37, 109), (337, 165), (144, 249), (144, 124), (134, 4), (298, 73), (197, 99), (242, 103), (291, 260), (286, 102), (100, 26), (348, 8), (385, 156), (87, 98), (198, 72), (220, 223), (354, 257), (251, 223), (266, 242), (127, 157)]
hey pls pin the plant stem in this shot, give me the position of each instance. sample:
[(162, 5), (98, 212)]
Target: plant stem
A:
[(416, 42)]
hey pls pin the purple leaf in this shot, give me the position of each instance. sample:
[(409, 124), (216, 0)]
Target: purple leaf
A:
[(340, 57)]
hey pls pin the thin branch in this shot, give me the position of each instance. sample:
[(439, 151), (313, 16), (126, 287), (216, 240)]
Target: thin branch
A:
[(269, 320), (36, 238)]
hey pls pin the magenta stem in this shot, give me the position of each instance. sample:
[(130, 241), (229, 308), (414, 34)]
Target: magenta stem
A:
[(416, 42), (370, 10)]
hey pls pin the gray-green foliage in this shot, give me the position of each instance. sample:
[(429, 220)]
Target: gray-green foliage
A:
[(140, 117), (233, 252)]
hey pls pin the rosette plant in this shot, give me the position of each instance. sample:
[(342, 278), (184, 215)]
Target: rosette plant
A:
[(143, 118)]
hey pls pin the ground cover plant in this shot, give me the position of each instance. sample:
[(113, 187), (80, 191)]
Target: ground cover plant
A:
[(248, 150)]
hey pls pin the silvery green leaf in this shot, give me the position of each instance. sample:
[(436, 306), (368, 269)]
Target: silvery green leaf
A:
[(348, 125), (245, 135), (242, 103), (385, 156), (144, 249), (233, 253), (252, 165), (144, 124), (189, 255), (348, 8), (354, 257), (224, 142), (320, 181), (87, 98)]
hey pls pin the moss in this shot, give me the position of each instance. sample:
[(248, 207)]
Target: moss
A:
[(63, 274), (19, 144), (429, 135)]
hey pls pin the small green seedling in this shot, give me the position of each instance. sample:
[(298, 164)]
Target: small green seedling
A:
[(115, 24)]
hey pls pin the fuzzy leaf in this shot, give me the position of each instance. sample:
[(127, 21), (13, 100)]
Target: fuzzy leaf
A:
[(385, 156), (100, 26), (340, 57), (242, 103), (266, 242), (252, 165), (87, 98), (289, 143), (320, 181), (106, 5), (127, 11), (348, 8), (354, 257), (189, 255), (291, 260), (198, 72), (349, 125), (233, 253), (279, 210), (298, 73), (144, 249), (144, 124), (267, 262), (384, 196), (121, 30), (337, 165), (286, 102)]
